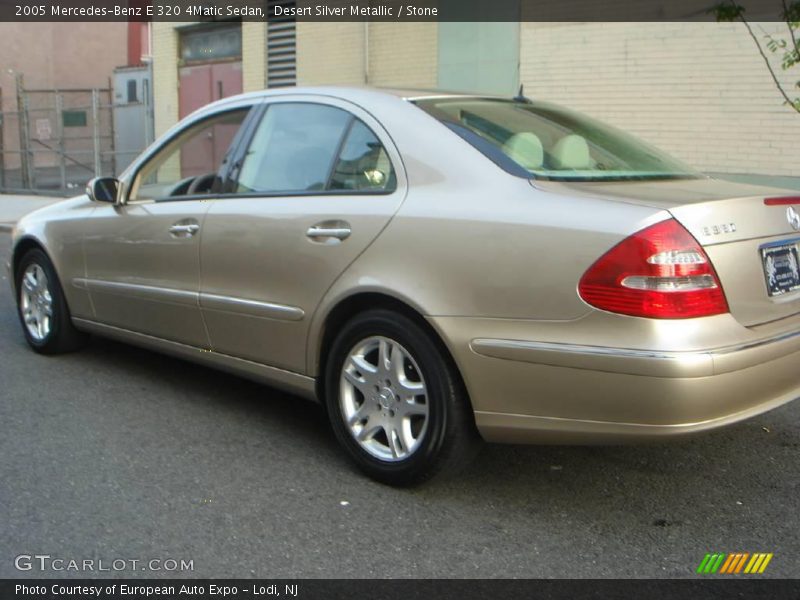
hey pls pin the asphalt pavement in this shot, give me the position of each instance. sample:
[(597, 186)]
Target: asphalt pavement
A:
[(116, 453)]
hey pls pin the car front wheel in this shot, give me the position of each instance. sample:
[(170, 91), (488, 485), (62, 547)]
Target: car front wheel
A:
[(396, 403), (42, 308)]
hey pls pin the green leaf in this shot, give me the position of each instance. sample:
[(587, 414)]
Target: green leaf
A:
[(792, 13), (730, 11)]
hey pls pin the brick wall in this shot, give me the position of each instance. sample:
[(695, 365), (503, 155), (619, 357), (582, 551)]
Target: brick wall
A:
[(330, 53), (165, 76), (698, 90), (254, 63), (403, 54)]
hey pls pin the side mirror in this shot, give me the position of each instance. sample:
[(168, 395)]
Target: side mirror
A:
[(102, 189)]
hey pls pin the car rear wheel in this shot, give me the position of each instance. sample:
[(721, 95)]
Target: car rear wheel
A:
[(395, 402), (42, 308)]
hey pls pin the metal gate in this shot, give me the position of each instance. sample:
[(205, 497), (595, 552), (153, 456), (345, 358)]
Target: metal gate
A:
[(57, 140)]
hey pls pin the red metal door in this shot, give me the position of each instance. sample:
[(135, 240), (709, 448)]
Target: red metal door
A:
[(200, 85)]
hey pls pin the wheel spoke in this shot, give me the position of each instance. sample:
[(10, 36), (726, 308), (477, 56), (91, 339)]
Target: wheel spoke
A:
[(397, 363), (384, 356), (411, 388), (395, 443), (29, 282), (41, 280), (414, 409), (407, 435), (364, 412), (368, 431), (360, 384), (368, 371)]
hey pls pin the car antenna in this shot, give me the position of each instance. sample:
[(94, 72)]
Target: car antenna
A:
[(520, 97)]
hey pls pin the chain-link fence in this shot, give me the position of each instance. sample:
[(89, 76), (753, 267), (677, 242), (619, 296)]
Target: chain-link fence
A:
[(57, 140)]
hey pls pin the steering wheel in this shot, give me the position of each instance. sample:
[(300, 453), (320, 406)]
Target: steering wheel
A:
[(201, 183)]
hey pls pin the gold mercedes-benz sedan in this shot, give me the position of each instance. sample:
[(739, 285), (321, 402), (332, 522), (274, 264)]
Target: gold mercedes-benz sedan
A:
[(435, 269)]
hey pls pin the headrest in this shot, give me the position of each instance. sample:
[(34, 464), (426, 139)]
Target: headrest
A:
[(571, 152), (526, 149)]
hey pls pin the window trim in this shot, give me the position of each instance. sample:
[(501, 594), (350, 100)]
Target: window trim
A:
[(338, 153)]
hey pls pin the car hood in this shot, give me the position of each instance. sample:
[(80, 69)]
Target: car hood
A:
[(56, 208)]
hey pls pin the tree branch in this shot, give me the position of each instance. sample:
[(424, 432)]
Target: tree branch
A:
[(778, 84), (788, 19)]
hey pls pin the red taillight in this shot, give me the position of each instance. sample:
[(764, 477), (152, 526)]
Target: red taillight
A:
[(787, 201), (660, 272)]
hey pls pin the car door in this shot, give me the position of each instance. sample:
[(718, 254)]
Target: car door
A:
[(143, 255), (319, 180)]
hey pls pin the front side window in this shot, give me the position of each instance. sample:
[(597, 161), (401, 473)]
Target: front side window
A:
[(550, 142), (304, 147), (190, 163)]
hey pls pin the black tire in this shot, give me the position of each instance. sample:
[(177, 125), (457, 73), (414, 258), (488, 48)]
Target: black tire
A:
[(449, 439), (62, 336)]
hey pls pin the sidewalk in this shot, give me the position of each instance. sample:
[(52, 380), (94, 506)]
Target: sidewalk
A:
[(13, 207)]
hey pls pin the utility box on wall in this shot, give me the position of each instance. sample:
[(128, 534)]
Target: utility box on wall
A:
[(133, 113)]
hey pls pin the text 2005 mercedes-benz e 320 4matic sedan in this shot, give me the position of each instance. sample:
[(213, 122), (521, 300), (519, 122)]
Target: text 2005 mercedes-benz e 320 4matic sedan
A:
[(435, 269)]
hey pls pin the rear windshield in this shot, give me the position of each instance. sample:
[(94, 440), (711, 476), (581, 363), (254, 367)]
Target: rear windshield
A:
[(547, 141)]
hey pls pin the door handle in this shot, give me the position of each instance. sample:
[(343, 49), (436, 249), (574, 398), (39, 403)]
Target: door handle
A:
[(338, 230), (184, 230)]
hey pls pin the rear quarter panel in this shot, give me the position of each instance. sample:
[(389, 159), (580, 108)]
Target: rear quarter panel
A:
[(471, 240)]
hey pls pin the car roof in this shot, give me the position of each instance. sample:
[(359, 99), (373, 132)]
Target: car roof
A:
[(353, 93)]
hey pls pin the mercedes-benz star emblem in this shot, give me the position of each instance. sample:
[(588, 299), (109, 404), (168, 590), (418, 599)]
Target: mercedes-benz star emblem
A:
[(793, 217)]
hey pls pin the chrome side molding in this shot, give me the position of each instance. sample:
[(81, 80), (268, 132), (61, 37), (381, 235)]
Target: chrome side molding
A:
[(255, 308), (632, 361)]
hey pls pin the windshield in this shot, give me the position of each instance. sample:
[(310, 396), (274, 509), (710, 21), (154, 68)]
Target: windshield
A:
[(547, 141)]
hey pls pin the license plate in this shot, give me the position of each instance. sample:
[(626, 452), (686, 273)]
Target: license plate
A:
[(781, 268)]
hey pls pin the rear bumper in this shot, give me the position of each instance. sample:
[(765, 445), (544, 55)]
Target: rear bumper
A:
[(526, 391)]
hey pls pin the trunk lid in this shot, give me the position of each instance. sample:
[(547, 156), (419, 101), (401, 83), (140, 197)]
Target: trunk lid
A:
[(747, 240)]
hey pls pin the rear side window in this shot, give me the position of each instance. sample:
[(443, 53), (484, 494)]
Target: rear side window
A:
[(304, 147), (363, 163)]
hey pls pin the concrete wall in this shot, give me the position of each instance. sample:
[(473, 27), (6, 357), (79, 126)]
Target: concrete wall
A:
[(698, 90), (400, 54), (479, 57)]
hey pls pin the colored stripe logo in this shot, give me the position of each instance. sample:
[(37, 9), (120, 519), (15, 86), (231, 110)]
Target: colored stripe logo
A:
[(735, 563)]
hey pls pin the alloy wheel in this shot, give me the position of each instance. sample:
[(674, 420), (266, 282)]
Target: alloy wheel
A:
[(36, 302), (384, 399)]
